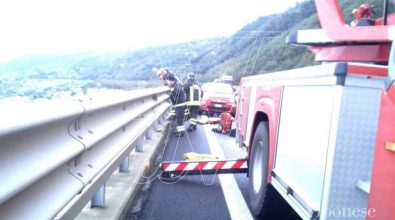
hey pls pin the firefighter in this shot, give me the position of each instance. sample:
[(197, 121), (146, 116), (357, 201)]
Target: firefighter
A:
[(363, 16), (178, 98), (194, 94), (161, 73)]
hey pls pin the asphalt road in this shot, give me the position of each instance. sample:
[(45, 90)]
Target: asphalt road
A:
[(195, 197)]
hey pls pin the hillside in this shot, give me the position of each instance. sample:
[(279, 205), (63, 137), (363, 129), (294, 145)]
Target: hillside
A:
[(257, 48), (267, 51)]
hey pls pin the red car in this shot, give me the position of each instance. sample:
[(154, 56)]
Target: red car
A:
[(217, 98)]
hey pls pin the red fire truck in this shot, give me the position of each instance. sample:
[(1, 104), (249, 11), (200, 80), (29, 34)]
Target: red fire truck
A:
[(311, 132), (321, 139)]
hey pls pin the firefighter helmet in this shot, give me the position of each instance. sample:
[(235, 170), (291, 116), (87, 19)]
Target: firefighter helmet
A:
[(161, 72), (363, 11), (191, 76)]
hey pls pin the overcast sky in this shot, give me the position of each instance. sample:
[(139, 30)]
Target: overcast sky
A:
[(71, 26)]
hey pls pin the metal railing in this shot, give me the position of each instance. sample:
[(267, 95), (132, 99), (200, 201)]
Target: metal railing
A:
[(55, 155)]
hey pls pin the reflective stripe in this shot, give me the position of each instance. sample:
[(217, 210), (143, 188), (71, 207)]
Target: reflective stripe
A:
[(193, 121), (172, 167), (201, 165), (191, 166), (209, 165), (194, 103), (187, 104), (229, 165), (181, 104), (244, 165), (192, 93), (190, 103)]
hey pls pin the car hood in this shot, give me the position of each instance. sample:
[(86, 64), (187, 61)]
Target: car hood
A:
[(219, 96)]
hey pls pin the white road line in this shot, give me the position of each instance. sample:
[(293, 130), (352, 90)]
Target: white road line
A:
[(234, 199)]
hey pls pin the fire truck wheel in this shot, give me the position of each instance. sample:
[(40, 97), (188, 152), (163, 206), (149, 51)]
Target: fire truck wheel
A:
[(258, 165)]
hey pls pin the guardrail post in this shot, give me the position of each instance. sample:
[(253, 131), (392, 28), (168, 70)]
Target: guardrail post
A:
[(98, 199), (162, 118), (168, 113), (156, 126), (139, 146), (148, 135), (124, 167)]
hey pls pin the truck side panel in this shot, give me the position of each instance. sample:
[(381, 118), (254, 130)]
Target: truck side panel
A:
[(382, 191), (325, 146), (304, 135)]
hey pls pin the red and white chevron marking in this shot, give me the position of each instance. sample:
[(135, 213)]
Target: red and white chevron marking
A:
[(204, 165)]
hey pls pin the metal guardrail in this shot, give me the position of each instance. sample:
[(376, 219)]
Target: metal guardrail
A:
[(55, 155)]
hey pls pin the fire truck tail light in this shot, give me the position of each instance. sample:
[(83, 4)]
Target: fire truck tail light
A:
[(390, 146)]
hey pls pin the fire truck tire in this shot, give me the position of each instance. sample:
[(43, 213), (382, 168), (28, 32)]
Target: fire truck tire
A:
[(258, 167), (264, 200)]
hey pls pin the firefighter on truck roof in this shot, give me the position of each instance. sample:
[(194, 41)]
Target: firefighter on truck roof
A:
[(177, 96), (363, 16), (194, 94)]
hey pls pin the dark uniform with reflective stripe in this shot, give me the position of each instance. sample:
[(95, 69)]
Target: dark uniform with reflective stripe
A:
[(177, 97), (194, 94)]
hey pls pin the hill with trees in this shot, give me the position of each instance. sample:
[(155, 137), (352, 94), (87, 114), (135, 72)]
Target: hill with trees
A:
[(257, 48)]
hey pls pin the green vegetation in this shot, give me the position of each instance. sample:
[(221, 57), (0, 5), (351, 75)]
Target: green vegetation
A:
[(257, 48)]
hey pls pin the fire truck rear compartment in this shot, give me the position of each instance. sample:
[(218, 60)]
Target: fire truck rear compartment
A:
[(325, 146)]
